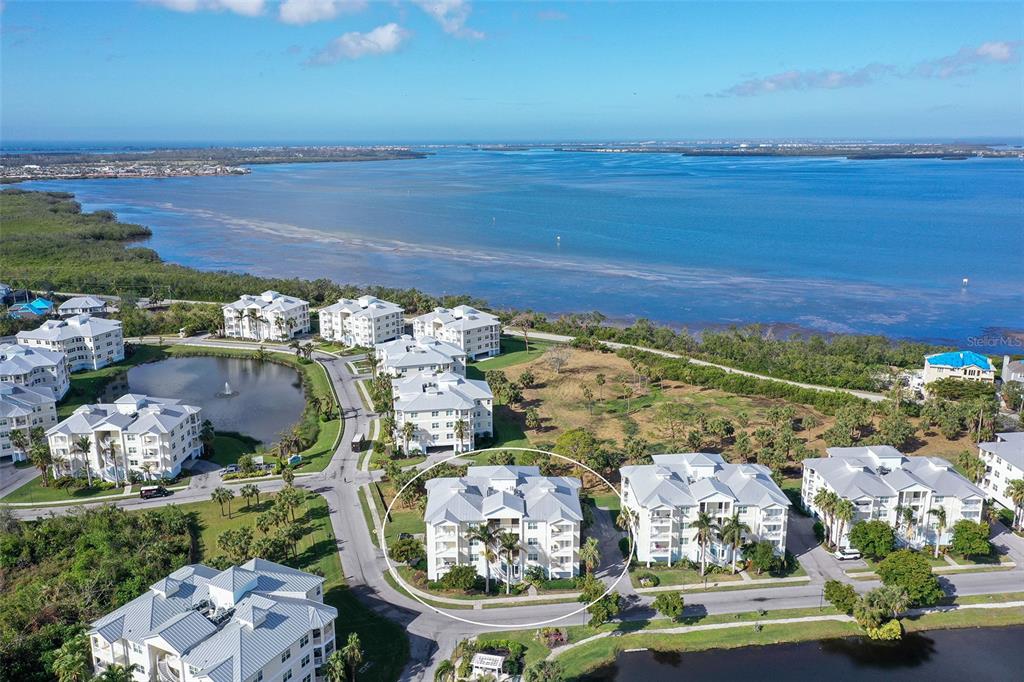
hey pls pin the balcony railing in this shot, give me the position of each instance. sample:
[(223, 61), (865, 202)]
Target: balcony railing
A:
[(165, 673)]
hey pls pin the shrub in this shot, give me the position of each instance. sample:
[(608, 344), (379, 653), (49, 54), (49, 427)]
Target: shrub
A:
[(840, 595), (669, 604), (647, 579), (408, 550), (970, 539), (819, 532), (875, 539), (891, 631), (459, 578)]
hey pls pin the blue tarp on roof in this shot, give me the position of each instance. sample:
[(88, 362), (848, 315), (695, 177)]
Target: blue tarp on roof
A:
[(960, 358), (40, 307)]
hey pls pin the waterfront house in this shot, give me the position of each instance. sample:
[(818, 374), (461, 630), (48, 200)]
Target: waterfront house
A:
[(475, 332), (406, 355), (962, 364), (1004, 462), (150, 437), (435, 404), (258, 622), (543, 512), (88, 342), (667, 496), (32, 367), (38, 307), (23, 408), (365, 321), (883, 483), (270, 316)]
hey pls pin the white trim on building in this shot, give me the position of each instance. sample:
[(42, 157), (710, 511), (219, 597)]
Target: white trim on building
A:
[(475, 332), (405, 356), (270, 316), (88, 342), (434, 403), (82, 305), (23, 408), (365, 321), (33, 367), (1004, 462)]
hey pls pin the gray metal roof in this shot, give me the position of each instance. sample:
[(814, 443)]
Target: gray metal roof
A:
[(20, 401), (1008, 446), (883, 471), (131, 413), (685, 479), (78, 325), (445, 391), (16, 359), (492, 492)]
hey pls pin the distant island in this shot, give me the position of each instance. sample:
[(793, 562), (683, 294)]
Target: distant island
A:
[(167, 163), (952, 151)]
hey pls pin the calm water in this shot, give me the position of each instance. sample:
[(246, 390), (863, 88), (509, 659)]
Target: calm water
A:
[(269, 400), (976, 654), (823, 244)]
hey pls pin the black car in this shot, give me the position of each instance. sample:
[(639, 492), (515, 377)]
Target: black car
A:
[(151, 491)]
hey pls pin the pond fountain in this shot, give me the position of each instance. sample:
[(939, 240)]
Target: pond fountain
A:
[(227, 392)]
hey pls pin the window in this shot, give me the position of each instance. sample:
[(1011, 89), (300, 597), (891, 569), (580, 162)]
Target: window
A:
[(305, 660), (286, 655), (532, 556), (532, 542), (307, 678), (287, 676), (531, 525), (303, 641)]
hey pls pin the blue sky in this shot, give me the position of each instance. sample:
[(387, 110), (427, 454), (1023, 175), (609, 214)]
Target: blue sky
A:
[(452, 70)]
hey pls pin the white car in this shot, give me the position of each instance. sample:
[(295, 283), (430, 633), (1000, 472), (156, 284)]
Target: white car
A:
[(845, 554)]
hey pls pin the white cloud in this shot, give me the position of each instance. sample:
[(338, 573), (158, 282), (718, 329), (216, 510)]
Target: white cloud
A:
[(381, 40), (452, 16), (310, 11), (967, 60), (249, 8)]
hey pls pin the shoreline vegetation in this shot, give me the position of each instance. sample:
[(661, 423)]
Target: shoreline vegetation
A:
[(50, 245)]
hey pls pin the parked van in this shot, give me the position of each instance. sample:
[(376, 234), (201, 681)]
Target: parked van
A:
[(151, 491)]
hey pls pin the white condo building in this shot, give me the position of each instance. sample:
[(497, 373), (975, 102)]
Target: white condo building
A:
[(1004, 462), (365, 321), (23, 408), (475, 332), (268, 317), (543, 512), (667, 496), (153, 437), (88, 342), (881, 482), (33, 367), (82, 305), (405, 356), (434, 403), (260, 621)]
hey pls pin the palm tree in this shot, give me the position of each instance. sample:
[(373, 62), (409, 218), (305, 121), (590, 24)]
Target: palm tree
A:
[(408, 431), (844, 513), (19, 440), (352, 653), (508, 544), (288, 476), (249, 491), (83, 444), (443, 671), (296, 345), (940, 525), (483, 534), (207, 434), (71, 660), (147, 470), (39, 454), (1015, 491), (335, 668), (290, 499), (826, 500), (119, 673), (626, 520), (908, 516), (706, 527), (590, 555), (461, 429), (221, 496), (732, 534), (525, 322)]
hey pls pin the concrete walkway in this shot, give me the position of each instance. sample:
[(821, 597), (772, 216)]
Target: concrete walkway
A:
[(560, 338)]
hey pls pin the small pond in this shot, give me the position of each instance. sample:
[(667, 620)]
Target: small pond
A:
[(266, 398), (967, 654)]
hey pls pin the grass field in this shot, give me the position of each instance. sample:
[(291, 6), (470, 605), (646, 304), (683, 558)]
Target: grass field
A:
[(513, 353), (384, 642), (33, 491)]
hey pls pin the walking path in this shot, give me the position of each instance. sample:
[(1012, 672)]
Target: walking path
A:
[(561, 338)]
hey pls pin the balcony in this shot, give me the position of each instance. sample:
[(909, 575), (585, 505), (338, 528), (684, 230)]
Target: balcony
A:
[(165, 673)]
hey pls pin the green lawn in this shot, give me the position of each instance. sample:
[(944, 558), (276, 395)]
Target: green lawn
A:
[(227, 448), (402, 520), (33, 491), (507, 429), (367, 516), (384, 642), (680, 576), (513, 352)]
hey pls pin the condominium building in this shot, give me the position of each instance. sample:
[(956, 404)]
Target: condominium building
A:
[(1004, 462), (435, 403), (666, 498), (33, 367), (260, 621), (365, 321), (82, 305), (475, 332), (23, 408), (963, 364), (543, 512), (151, 437), (406, 355), (269, 316), (882, 482), (88, 342)]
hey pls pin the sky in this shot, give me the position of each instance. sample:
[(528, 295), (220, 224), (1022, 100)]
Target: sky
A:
[(352, 71)]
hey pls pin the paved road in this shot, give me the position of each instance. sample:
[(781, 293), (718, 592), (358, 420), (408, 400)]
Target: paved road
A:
[(560, 338), (433, 635)]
